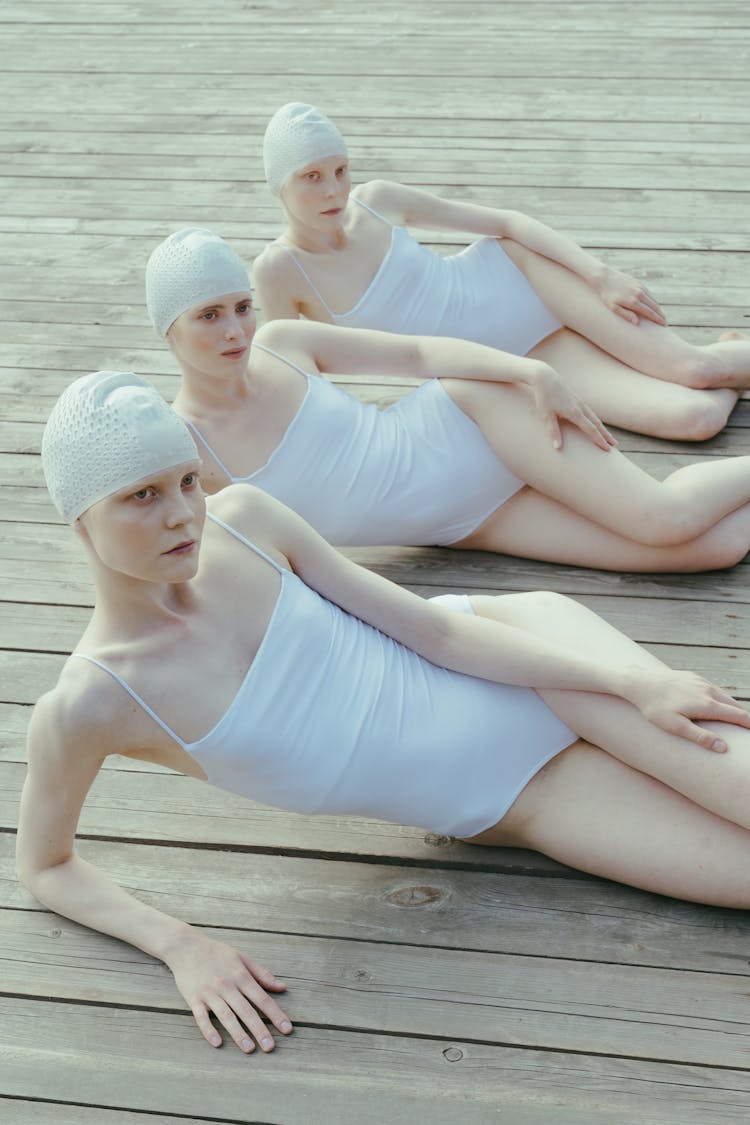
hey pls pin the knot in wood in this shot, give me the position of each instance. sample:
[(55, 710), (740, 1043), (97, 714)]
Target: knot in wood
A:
[(453, 1054), (415, 896)]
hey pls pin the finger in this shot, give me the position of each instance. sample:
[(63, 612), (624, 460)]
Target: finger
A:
[(596, 421), (627, 314), (263, 975), (594, 431), (247, 1013), (553, 426), (207, 1029), (702, 737), (228, 1019), (727, 713), (269, 1007)]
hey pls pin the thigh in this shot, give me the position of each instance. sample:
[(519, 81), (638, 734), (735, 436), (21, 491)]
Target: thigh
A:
[(623, 396), (602, 485), (588, 810), (534, 526)]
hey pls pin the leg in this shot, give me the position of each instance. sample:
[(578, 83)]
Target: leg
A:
[(652, 349), (720, 783), (596, 814), (605, 487), (629, 399), (533, 526)]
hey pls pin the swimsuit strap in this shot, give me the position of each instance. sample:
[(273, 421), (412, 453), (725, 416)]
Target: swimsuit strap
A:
[(288, 362), (282, 570), (194, 429), (134, 695), (372, 211), (306, 275)]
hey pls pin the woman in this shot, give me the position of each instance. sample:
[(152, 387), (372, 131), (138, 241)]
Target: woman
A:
[(448, 463), (590, 770), (349, 260)]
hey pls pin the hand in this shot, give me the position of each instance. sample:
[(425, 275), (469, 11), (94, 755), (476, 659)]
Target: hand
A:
[(555, 400), (672, 700), (627, 297), (214, 978)]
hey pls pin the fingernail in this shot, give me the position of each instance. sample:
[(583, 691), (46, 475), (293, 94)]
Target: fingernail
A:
[(247, 1044), (719, 746), (286, 1026), (266, 1043), (215, 1041)]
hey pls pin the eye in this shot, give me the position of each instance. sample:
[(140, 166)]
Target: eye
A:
[(244, 307), (311, 176), (209, 315), (143, 493), (342, 170), (190, 480)]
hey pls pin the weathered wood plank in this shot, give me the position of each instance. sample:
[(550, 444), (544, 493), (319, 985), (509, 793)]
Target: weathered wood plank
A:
[(674, 1016), (155, 1062)]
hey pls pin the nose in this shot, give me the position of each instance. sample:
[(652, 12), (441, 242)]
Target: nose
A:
[(232, 328), (179, 510)]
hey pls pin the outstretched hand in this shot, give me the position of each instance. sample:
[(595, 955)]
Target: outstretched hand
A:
[(674, 700), (220, 981), (555, 400), (628, 298)]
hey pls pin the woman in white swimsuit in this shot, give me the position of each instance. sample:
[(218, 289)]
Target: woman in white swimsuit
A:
[(440, 730), (349, 260), (447, 464)]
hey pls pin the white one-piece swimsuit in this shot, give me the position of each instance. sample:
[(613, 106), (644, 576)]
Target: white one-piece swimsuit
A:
[(478, 294), (419, 473), (335, 717)]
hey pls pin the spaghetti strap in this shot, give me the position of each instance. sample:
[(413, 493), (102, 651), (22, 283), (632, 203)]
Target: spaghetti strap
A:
[(306, 275), (277, 355), (282, 570), (372, 211), (134, 695), (194, 429)]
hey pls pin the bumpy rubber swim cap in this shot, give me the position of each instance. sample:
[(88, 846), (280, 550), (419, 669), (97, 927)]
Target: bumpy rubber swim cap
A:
[(296, 135), (106, 431), (189, 268)]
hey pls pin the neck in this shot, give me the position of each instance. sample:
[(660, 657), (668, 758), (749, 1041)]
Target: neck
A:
[(316, 241), (201, 394)]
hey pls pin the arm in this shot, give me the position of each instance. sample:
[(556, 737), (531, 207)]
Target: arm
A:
[(476, 645), (413, 207), (63, 761), (363, 351)]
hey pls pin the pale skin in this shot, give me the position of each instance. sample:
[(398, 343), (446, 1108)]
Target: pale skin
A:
[(615, 348), (584, 502), (653, 793)]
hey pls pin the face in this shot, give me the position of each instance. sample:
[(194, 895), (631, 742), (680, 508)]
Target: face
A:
[(152, 529), (317, 194), (214, 338)]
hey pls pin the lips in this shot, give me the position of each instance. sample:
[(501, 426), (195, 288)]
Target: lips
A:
[(181, 548), (234, 353)]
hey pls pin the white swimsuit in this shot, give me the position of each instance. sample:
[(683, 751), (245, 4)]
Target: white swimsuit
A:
[(479, 294), (418, 473), (335, 717)]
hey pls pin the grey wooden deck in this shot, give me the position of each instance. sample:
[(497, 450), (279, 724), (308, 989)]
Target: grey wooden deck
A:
[(430, 982)]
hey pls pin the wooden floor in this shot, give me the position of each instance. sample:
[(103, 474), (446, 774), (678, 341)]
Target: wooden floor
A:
[(430, 982)]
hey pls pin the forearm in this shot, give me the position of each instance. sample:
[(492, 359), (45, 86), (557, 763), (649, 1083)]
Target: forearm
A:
[(550, 243), (491, 650), (81, 892), (448, 358)]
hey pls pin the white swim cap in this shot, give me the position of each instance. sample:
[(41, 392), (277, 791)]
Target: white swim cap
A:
[(296, 135), (106, 431), (189, 268)]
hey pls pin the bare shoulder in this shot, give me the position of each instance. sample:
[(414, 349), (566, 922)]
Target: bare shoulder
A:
[(272, 264), (256, 515), (83, 718), (277, 284), (385, 196)]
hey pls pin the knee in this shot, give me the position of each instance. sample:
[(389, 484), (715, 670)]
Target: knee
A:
[(703, 370), (698, 418), (665, 525)]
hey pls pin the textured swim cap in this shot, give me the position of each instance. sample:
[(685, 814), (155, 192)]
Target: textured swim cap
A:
[(106, 431), (296, 135), (190, 268)]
